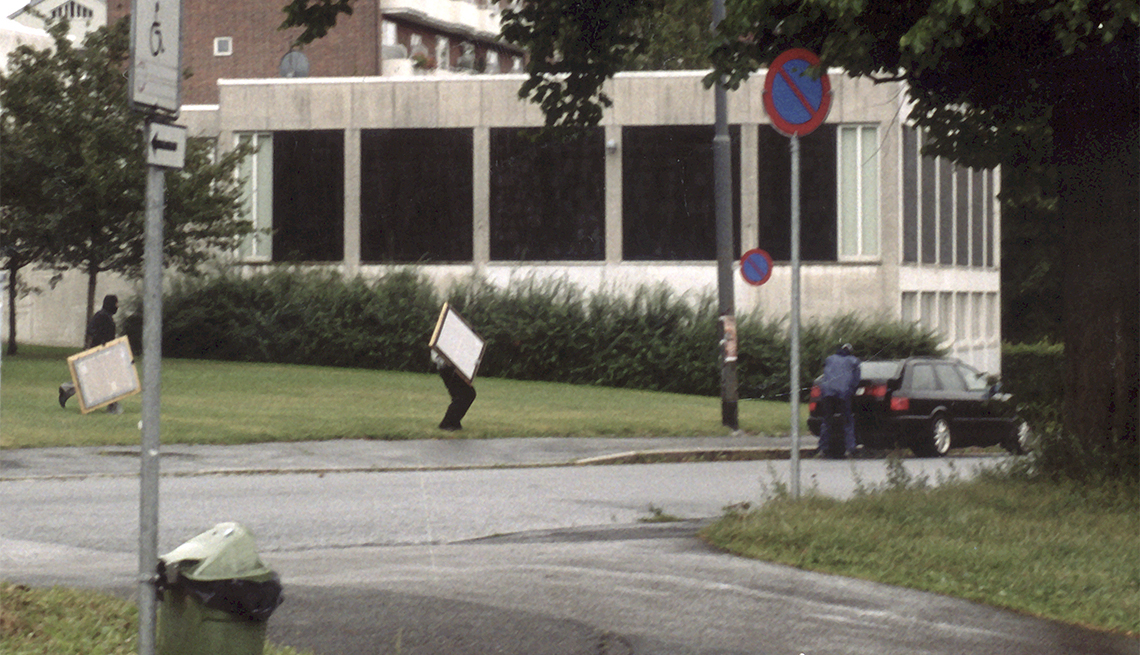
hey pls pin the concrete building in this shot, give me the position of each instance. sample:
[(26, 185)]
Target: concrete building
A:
[(84, 15), (367, 172), (14, 35)]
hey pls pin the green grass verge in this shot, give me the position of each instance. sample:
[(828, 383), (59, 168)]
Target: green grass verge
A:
[(1062, 552), (231, 403), (63, 621)]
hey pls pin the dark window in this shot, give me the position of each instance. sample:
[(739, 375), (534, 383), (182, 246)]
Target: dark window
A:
[(962, 216), (548, 196), (945, 212), (990, 218), (910, 195), (668, 210), (922, 378), (308, 196), (978, 226), (818, 187), (929, 230), (416, 195)]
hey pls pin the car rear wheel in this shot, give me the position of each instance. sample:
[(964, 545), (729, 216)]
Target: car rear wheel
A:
[(936, 441)]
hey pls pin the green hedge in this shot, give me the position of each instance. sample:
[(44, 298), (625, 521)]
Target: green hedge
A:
[(653, 338), (1034, 374)]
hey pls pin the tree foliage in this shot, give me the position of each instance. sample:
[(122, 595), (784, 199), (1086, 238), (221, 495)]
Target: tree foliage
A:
[(74, 173), (1040, 85)]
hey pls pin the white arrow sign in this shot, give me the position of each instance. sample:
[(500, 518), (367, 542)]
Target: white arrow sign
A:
[(165, 145), (156, 55)]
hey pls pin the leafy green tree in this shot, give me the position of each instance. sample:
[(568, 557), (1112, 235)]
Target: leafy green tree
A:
[(74, 173), (1031, 84)]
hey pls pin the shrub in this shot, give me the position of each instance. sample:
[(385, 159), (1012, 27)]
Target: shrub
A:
[(1034, 374), (536, 329)]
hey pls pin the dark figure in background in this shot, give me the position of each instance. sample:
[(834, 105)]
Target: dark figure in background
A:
[(100, 330), (462, 394), (840, 380)]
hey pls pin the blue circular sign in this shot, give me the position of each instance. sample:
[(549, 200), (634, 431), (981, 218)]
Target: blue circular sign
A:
[(756, 267), (796, 102)]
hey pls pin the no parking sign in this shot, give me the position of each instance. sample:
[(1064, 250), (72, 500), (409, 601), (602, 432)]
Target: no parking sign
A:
[(796, 102), (756, 267)]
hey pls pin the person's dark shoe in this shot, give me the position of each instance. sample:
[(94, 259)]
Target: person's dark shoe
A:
[(65, 391), (451, 428)]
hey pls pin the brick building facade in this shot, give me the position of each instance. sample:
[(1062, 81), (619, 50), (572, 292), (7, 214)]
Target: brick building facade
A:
[(241, 40)]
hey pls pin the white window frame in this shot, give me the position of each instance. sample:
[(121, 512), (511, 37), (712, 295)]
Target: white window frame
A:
[(223, 46), (859, 193), (256, 172)]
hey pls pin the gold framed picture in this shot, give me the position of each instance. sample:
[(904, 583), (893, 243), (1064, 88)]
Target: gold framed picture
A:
[(457, 343), (104, 374)]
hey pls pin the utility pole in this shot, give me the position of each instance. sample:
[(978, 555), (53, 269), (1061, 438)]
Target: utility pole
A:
[(726, 302)]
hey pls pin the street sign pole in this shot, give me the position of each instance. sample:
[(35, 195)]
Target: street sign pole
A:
[(795, 363), (722, 191), (156, 90), (151, 399), (797, 104)]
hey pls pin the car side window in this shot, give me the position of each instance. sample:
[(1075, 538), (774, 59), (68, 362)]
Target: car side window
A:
[(975, 381), (949, 378), (922, 378)]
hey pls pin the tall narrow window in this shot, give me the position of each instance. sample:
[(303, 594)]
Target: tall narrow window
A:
[(308, 196), (858, 191), (257, 174), (910, 162)]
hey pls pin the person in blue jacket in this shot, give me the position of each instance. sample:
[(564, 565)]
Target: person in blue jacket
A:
[(840, 380)]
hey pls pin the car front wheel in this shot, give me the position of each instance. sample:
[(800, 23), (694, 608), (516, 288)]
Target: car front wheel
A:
[(936, 441), (1019, 440)]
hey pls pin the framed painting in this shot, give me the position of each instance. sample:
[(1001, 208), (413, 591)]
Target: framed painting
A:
[(104, 374), (457, 343)]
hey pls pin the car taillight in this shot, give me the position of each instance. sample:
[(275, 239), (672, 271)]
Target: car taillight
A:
[(900, 403), (877, 391), (816, 392)]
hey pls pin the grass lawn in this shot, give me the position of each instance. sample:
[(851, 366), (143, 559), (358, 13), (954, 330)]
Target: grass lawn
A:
[(1062, 552), (72, 622), (231, 403), (1056, 551)]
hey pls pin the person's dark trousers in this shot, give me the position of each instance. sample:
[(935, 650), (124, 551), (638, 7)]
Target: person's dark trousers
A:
[(827, 409), (831, 405), (462, 395), (848, 425)]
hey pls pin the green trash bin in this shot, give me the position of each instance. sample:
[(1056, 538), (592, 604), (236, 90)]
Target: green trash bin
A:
[(216, 595)]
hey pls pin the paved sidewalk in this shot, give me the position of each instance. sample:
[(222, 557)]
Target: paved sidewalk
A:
[(364, 455)]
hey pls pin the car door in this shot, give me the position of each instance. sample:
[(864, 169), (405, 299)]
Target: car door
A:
[(988, 411), (964, 405), (921, 387)]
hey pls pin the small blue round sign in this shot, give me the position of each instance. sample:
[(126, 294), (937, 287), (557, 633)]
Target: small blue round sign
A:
[(756, 267)]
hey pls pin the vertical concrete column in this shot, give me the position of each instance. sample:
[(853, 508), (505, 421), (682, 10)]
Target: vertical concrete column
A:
[(481, 200), (352, 201), (749, 186), (613, 194)]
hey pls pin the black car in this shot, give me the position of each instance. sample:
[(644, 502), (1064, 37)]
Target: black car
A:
[(929, 405)]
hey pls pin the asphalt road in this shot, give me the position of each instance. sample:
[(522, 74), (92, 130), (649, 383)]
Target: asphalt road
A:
[(550, 559)]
